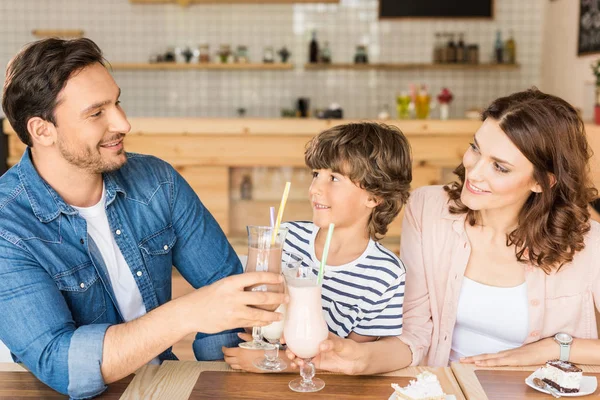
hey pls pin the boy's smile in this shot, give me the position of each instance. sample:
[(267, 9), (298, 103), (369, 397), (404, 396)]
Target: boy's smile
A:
[(335, 198), (318, 206)]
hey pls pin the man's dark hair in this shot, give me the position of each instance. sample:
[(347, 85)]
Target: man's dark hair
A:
[(37, 74)]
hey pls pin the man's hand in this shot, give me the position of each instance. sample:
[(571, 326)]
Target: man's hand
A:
[(225, 305)]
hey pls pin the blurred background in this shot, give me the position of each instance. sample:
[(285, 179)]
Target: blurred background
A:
[(133, 33)]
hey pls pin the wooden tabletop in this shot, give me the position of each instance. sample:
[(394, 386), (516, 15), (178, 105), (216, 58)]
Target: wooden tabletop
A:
[(185, 380), (18, 383), (505, 383), (192, 380)]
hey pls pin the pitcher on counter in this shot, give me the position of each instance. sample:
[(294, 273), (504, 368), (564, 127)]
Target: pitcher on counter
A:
[(503, 265), (89, 235)]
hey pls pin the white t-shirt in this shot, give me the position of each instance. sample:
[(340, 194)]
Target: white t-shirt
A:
[(364, 296), (128, 296), (489, 319)]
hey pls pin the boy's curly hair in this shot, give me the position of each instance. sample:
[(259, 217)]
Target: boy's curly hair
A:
[(376, 157)]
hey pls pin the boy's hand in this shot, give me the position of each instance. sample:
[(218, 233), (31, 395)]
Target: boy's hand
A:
[(242, 359), (336, 355)]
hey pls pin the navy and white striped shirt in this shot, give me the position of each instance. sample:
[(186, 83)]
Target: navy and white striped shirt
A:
[(364, 296)]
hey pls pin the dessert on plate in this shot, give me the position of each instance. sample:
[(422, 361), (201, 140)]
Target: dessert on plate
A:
[(562, 375), (425, 387)]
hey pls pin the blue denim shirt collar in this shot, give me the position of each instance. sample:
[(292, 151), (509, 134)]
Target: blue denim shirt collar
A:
[(47, 208)]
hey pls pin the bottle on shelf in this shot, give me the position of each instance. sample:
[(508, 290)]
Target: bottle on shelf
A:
[(326, 54), (268, 55), (384, 114), (361, 56), (461, 50), (438, 49), (451, 50), (510, 49), (246, 188), (499, 48), (313, 49)]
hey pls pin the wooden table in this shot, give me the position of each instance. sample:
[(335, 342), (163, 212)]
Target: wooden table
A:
[(505, 383), (18, 383), (175, 380)]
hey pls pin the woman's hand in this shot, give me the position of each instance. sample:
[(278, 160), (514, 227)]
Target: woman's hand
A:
[(241, 359), (336, 355), (530, 354)]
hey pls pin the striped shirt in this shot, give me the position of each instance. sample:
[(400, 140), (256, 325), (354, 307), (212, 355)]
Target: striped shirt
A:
[(364, 296)]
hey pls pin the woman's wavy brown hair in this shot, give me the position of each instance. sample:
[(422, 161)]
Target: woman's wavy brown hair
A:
[(376, 157), (551, 135)]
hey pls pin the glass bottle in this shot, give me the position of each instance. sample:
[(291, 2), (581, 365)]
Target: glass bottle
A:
[(451, 50), (313, 49), (384, 114), (438, 49), (241, 55), (422, 103), (269, 55), (499, 48), (403, 105), (246, 188), (225, 53), (204, 53), (326, 54), (461, 50), (361, 56), (510, 50)]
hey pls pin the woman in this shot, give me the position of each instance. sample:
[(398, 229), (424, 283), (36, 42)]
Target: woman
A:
[(506, 258)]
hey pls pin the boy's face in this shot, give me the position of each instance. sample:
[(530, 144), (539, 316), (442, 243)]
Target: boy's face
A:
[(335, 198)]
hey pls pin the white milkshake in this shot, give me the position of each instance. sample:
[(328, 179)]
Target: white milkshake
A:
[(305, 328), (273, 331)]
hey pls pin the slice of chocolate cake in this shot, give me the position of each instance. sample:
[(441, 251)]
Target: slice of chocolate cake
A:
[(562, 375)]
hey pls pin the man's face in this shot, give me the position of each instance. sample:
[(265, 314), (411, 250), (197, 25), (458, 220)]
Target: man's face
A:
[(90, 123)]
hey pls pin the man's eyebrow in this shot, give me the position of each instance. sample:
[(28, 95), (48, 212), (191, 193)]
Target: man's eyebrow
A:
[(99, 104)]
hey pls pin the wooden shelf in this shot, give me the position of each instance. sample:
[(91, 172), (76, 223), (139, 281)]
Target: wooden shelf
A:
[(189, 2), (202, 66), (412, 66), (63, 33)]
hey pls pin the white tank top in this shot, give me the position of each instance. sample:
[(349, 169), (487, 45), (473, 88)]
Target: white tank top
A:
[(489, 319)]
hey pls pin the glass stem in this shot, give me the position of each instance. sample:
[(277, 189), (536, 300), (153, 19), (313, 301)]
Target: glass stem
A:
[(307, 372), (272, 354), (257, 335)]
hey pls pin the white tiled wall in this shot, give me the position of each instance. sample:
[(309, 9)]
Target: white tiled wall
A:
[(131, 33)]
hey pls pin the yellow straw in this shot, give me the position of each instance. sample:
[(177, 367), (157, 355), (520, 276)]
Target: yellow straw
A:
[(325, 252), (286, 193)]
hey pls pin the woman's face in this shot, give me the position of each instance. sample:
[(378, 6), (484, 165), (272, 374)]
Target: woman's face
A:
[(497, 174)]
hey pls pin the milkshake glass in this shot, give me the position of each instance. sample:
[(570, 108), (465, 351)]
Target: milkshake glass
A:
[(266, 256), (305, 327), (271, 362)]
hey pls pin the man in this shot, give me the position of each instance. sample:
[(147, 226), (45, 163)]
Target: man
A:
[(89, 233)]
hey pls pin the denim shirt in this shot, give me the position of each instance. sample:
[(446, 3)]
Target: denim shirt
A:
[(56, 299)]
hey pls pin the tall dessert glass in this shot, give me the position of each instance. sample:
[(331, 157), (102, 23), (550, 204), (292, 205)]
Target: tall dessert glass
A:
[(305, 327), (264, 254)]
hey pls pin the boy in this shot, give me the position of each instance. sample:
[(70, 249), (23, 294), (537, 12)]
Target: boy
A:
[(361, 180)]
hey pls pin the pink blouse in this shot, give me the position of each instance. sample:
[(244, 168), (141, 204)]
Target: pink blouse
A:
[(435, 249)]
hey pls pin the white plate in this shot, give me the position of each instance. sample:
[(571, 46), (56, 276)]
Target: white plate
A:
[(448, 397), (588, 385)]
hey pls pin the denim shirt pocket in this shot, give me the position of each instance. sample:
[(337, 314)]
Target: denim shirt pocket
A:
[(157, 252), (84, 293)]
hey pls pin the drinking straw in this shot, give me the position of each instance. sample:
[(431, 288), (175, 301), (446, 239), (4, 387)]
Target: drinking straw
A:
[(272, 215), (286, 193), (325, 251)]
